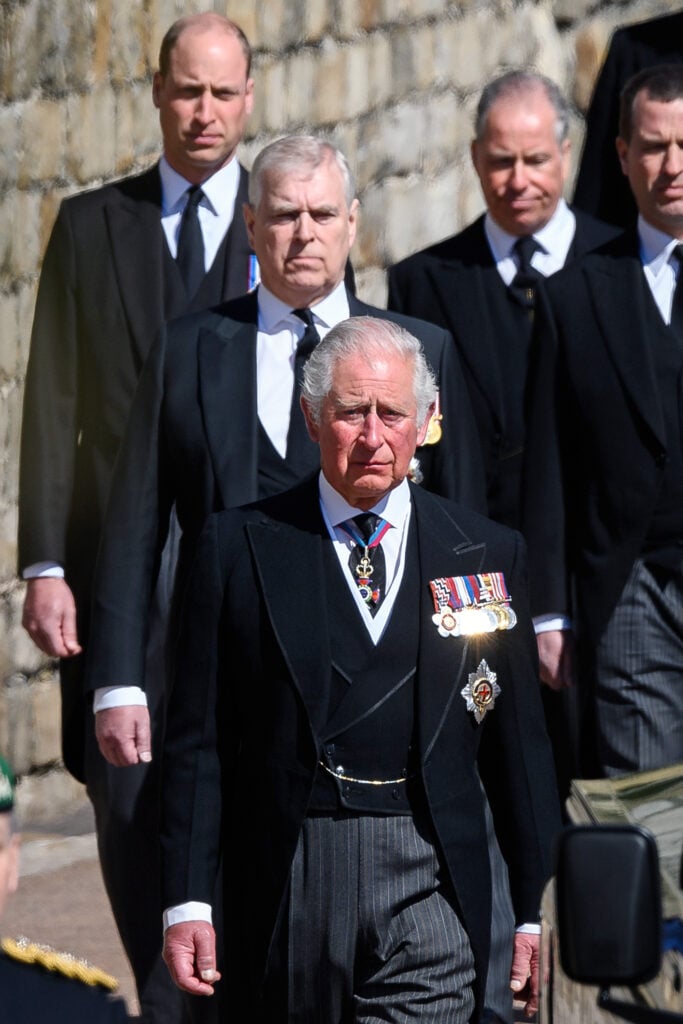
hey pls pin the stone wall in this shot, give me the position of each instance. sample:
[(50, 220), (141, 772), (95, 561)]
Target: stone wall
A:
[(392, 82)]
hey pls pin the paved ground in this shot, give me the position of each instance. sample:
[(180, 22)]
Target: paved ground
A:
[(61, 900)]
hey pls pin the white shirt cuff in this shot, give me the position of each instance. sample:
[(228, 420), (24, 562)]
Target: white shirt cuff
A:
[(191, 911), (38, 570), (529, 929), (551, 621), (118, 697)]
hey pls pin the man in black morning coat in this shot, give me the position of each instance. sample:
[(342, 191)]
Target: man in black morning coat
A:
[(328, 728), (476, 285), (601, 188), (108, 281), (604, 486)]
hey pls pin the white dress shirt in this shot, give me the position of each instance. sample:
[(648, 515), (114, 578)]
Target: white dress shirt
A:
[(555, 239)]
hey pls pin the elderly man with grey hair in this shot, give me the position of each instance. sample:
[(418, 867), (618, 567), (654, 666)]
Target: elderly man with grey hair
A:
[(355, 659), (481, 284)]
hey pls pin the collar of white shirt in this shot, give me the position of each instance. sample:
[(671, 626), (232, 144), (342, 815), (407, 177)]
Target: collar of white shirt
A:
[(660, 269), (220, 189), (273, 313), (555, 239)]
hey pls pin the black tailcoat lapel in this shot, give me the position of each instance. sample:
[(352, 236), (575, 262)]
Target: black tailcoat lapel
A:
[(227, 382), (619, 303), (133, 217)]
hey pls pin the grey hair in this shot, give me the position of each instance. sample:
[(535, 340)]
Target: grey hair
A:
[(518, 83), (370, 337), (296, 154)]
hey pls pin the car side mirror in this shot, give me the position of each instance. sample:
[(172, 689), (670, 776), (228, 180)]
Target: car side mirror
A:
[(609, 912)]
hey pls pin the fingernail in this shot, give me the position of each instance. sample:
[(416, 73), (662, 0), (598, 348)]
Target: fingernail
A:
[(208, 975), (145, 756)]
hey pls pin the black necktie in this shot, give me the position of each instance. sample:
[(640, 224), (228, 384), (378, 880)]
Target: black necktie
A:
[(302, 453), (677, 302), (366, 559), (190, 256), (523, 285)]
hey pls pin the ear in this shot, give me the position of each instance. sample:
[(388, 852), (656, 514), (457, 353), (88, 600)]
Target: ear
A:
[(157, 86), (422, 430), (312, 426), (249, 219), (353, 221), (249, 96), (622, 153)]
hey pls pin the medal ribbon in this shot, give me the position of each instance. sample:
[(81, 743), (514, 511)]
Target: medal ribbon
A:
[(469, 591)]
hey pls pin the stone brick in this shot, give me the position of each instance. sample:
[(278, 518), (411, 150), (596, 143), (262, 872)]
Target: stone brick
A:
[(10, 337), (43, 797), (10, 131), (380, 81), (299, 98), (590, 48), (19, 724), (246, 14), (46, 713), (43, 142), (20, 58), (17, 648), (20, 236), (329, 102), (317, 19), (271, 24), (126, 55), (91, 134), (271, 98)]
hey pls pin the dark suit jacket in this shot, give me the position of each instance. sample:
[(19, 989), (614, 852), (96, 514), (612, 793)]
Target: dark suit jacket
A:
[(596, 447), (249, 701), (193, 440), (601, 187), (100, 305), (452, 284)]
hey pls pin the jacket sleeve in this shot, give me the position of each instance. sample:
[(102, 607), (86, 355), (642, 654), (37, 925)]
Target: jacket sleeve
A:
[(51, 417), (135, 529)]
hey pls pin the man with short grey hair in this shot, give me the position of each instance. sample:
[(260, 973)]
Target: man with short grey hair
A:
[(355, 659), (481, 284)]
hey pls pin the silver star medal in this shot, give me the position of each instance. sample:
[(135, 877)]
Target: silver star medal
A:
[(481, 691)]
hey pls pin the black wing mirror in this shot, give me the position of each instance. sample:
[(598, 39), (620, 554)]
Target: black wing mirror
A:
[(609, 912)]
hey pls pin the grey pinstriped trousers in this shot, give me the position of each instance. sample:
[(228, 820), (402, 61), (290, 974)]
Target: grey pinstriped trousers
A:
[(373, 933), (639, 675)]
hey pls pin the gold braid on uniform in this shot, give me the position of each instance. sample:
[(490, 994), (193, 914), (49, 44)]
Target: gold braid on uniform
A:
[(27, 952)]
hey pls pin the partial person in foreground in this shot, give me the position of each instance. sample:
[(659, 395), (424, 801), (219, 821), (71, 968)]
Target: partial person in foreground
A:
[(604, 474), (356, 665), (38, 984)]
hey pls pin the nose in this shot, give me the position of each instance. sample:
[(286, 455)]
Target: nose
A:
[(673, 162), (304, 227), (203, 110), (372, 431), (519, 177)]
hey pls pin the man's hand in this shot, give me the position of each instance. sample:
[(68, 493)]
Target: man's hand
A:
[(50, 616), (124, 735), (524, 977), (556, 657), (190, 955)]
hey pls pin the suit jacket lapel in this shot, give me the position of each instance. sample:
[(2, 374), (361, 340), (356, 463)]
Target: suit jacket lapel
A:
[(297, 613), (441, 660), (227, 381), (623, 321), (137, 244)]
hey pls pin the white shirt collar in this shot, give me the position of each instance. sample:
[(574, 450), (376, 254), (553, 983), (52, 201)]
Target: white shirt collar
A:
[(393, 507), (655, 246), (554, 237), (220, 189), (329, 311)]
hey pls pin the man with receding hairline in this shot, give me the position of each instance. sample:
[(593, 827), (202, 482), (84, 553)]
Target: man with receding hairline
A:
[(121, 260)]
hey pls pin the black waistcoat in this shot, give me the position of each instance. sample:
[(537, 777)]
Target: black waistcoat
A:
[(369, 732), (275, 474), (210, 291), (504, 443)]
